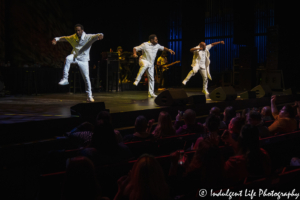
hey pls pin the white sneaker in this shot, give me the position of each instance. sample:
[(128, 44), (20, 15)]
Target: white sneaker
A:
[(135, 83), (152, 95), (90, 99), (205, 92), (184, 82), (63, 82)]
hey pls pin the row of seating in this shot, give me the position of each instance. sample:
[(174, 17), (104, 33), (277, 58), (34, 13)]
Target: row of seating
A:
[(283, 143), (36, 150), (282, 148), (283, 181), (269, 143), (62, 143), (155, 147), (164, 146), (108, 175), (31, 151), (124, 131)]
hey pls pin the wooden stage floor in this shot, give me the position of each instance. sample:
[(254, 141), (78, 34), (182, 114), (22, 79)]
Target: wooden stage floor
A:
[(16, 109)]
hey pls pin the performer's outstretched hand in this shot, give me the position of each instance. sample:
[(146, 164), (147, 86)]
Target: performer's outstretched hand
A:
[(222, 42), (100, 37), (54, 42), (135, 56), (171, 52)]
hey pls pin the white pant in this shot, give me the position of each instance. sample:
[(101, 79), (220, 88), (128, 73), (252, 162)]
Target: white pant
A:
[(84, 70), (149, 68), (203, 74)]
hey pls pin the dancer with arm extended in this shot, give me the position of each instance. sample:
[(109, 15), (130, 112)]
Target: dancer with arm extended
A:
[(81, 43), (201, 63), (146, 63)]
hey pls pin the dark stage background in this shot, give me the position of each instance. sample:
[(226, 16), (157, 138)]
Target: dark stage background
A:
[(27, 28)]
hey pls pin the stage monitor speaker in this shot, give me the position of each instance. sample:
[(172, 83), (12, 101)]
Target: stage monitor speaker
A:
[(197, 99), (262, 91), (172, 97), (248, 95), (290, 91), (223, 94), (88, 109), (273, 78)]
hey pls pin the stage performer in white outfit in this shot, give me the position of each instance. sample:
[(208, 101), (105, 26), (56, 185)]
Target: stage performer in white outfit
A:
[(201, 63), (147, 60), (81, 43)]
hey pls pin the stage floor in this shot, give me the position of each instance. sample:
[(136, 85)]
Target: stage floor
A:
[(16, 109)]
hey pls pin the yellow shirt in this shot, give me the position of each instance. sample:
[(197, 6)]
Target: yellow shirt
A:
[(282, 125), (162, 60)]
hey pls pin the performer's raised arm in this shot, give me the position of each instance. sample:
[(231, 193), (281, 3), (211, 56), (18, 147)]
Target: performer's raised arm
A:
[(59, 39), (194, 49), (215, 43), (98, 36), (92, 38), (169, 50)]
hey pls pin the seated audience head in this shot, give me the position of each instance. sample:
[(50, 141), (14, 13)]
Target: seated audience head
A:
[(104, 138), (287, 111), (164, 118), (141, 124), (164, 125), (215, 111), (229, 113), (254, 118), (147, 180), (266, 111), (189, 117), (212, 123), (236, 125), (234, 129), (103, 117), (245, 113), (80, 180)]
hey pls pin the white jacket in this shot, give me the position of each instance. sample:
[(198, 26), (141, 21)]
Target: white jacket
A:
[(197, 58)]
